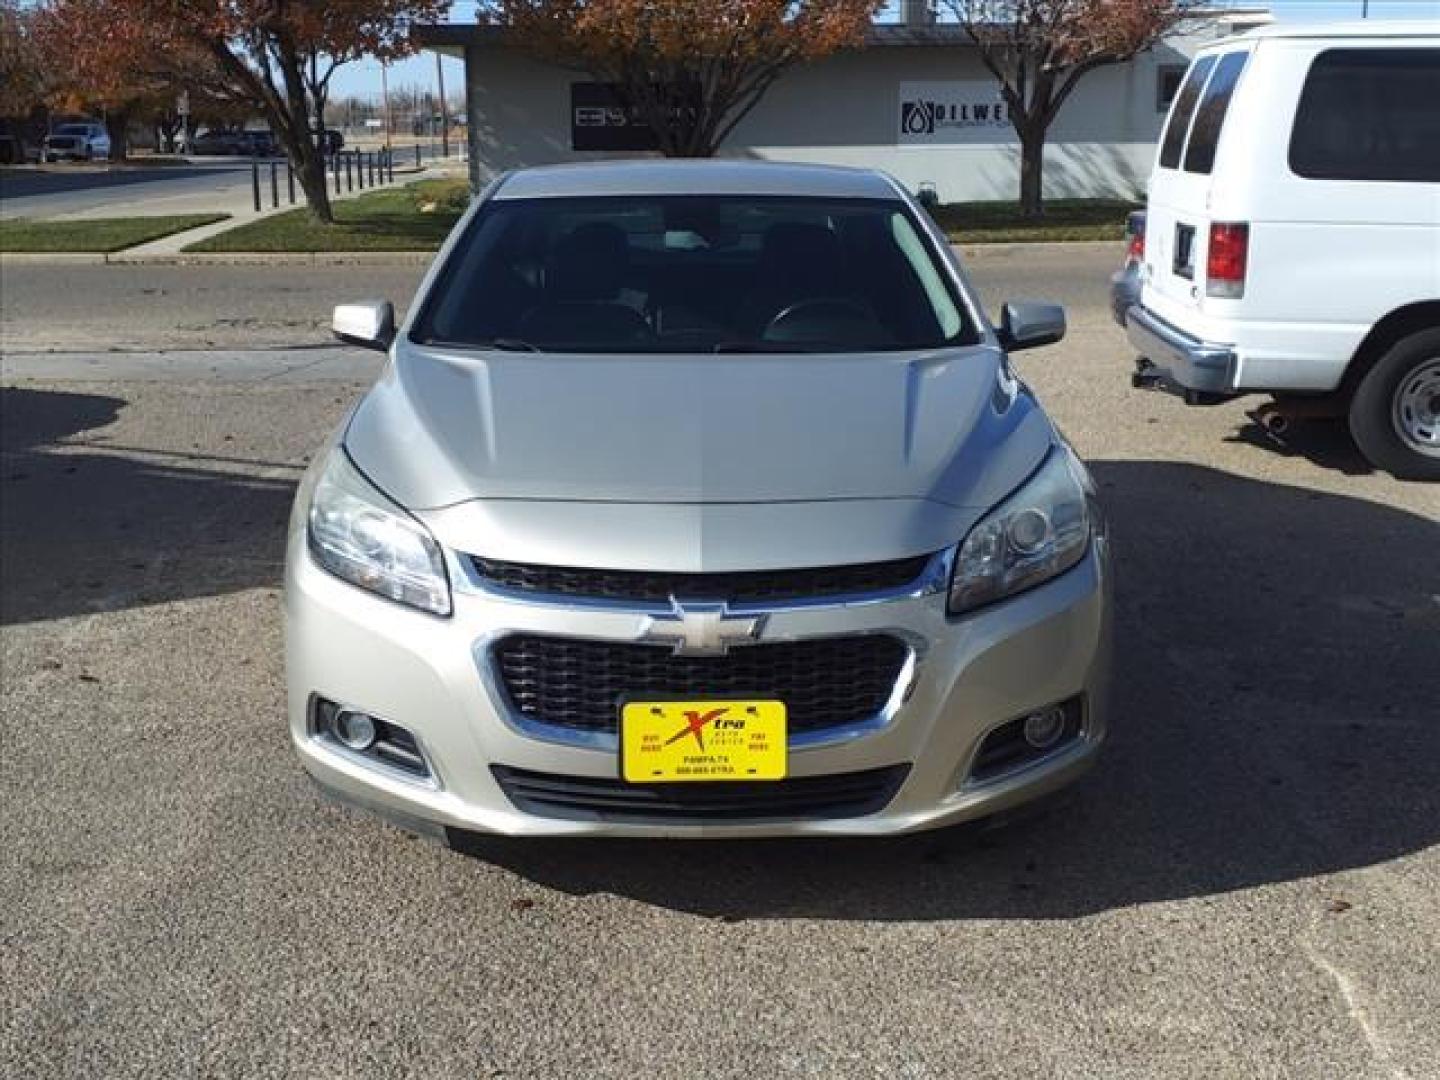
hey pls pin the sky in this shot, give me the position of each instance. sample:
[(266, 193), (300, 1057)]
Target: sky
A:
[(362, 79)]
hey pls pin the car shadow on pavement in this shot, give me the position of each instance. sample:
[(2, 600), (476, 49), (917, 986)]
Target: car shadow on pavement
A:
[(1323, 442), (86, 528), (1274, 719)]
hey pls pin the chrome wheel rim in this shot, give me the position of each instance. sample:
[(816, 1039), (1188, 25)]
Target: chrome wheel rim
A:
[(1416, 408)]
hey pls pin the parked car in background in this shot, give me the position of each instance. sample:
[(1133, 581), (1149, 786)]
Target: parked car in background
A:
[(697, 499), (242, 143), (86, 141), (330, 141), (1291, 243), (256, 144), (215, 143)]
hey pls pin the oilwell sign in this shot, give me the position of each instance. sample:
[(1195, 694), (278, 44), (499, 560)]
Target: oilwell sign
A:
[(937, 113)]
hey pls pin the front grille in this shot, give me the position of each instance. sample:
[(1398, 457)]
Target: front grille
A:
[(740, 587), (578, 684), (576, 798)]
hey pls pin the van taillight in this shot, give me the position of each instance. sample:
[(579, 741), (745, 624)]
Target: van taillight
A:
[(1135, 237), (1225, 262)]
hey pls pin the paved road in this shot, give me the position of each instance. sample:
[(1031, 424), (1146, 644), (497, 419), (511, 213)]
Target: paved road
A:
[(205, 185), (85, 308), (1248, 886), (64, 191)]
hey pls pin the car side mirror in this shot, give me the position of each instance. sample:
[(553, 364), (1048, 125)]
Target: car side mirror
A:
[(1027, 324), (369, 324)]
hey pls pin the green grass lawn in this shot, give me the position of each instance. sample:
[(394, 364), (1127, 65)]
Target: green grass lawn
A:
[(416, 217), (1064, 219), (99, 235)]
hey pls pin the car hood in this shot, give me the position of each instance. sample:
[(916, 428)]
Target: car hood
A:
[(950, 426)]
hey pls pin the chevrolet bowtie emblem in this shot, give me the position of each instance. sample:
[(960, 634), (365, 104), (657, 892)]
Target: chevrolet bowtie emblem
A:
[(698, 629)]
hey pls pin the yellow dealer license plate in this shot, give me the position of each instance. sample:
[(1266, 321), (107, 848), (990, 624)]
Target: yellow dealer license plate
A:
[(664, 741)]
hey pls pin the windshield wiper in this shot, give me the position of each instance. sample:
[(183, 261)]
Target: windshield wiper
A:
[(509, 344), (767, 347)]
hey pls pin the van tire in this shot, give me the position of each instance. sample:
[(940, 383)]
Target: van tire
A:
[(1372, 409)]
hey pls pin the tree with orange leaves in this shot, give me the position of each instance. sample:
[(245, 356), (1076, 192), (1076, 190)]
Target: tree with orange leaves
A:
[(1040, 49), (275, 55), (23, 79), (98, 60), (690, 69)]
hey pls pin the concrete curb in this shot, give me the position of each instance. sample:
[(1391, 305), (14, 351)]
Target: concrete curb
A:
[(1010, 247), (276, 258), (423, 258), (52, 258), (317, 364), (235, 258)]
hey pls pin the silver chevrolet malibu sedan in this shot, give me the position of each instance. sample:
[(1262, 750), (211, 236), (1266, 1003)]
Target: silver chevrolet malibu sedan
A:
[(698, 500)]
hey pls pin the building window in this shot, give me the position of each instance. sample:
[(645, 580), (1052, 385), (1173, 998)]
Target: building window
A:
[(1168, 78)]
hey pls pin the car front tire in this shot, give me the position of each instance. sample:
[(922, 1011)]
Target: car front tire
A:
[(1395, 413)]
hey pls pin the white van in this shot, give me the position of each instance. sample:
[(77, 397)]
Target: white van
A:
[(1292, 237)]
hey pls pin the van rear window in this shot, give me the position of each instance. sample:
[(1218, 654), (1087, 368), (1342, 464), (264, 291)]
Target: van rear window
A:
[(1369, 114), (1174, 142), (1210, 116)]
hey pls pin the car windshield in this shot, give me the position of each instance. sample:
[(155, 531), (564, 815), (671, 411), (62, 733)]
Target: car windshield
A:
[(712, 273), (72, 129)]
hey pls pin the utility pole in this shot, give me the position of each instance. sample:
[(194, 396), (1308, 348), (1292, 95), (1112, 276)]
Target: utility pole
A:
[(385, 90), (444, 106)]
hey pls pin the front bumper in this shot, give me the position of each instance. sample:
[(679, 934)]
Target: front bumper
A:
[(1175, 360), (430, 675)]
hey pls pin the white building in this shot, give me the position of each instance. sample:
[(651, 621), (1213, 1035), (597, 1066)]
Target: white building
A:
[(915, 101)]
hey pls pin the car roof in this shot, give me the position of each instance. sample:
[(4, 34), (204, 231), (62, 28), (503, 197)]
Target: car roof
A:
[(1351, 28), (694, 177)]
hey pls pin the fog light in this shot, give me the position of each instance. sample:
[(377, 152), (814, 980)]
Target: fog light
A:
[(356, 730), (1043, 730)]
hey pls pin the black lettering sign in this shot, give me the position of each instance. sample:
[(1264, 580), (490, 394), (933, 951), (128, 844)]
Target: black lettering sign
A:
[(599, 120)]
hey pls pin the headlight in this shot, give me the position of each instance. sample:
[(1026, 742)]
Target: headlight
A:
[(358, 534), (1037, 533)]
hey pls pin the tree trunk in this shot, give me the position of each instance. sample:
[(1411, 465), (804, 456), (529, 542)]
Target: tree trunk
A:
[(310, 171), (1032, 168), (117, 126)]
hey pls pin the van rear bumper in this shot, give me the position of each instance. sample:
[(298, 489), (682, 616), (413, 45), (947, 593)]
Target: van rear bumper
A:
[(1178, 359)]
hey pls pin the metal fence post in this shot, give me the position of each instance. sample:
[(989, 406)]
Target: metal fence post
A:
[(255, 183), (290, 180), (349, 177), (335, 164), (274, 186), (390, 161), (372, 168), (417, 155)]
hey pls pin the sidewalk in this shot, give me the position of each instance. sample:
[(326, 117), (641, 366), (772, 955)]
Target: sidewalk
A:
[(319, 363)]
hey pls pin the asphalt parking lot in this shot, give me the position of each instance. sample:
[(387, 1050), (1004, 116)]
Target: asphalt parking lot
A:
[(1248, 885)]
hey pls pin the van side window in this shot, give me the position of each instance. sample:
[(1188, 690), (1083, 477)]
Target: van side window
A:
[(1369, 114), (1174, 142), (1210, 116)]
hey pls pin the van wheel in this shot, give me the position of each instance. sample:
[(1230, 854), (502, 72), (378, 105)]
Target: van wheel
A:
[(1395, 413)]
